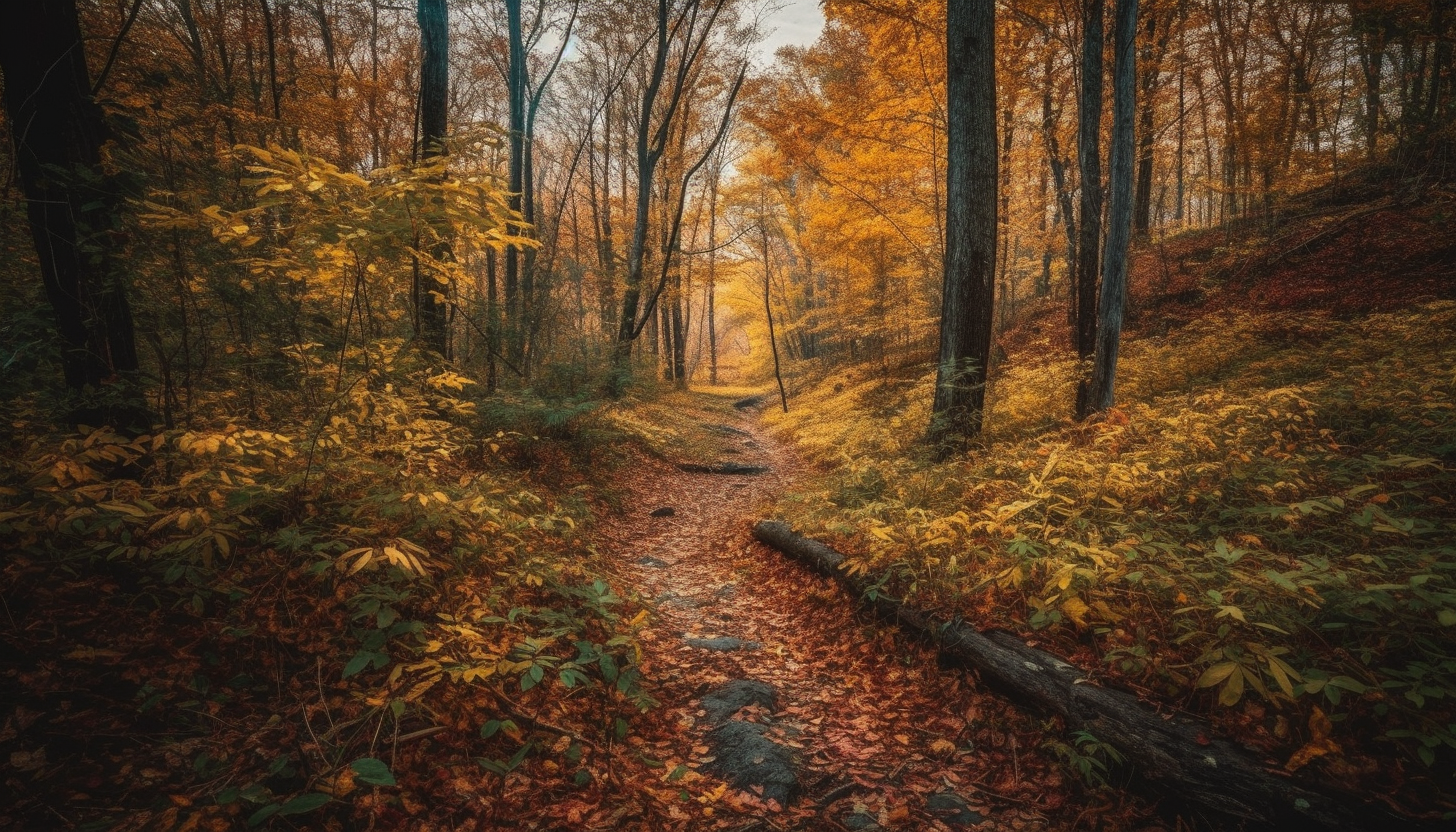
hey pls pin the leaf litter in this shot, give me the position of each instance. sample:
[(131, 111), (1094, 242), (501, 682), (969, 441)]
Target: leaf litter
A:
[(877, 725)]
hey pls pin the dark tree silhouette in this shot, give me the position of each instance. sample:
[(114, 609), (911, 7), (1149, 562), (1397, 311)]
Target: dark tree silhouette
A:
[(58, 132), (430, 309)]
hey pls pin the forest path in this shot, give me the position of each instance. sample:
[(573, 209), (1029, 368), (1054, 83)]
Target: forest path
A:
[(881, 737)]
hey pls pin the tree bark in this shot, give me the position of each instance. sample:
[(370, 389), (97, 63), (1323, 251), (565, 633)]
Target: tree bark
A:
[(713, 269), (1065, 211), (1089, 161), (1113, 299), (57, 132), (969, 281), (768, 305), (1154, 48), (516, 93), (430, 308)]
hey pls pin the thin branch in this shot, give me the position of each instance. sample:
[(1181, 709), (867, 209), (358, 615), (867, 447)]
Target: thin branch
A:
[(116, 47)]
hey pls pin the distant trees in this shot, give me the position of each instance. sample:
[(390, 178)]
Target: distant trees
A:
[(372, 89), (681, 37), (601, 119), (1234, 106)]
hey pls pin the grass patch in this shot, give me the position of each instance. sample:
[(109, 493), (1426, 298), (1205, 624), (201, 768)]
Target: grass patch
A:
[(680, 425)]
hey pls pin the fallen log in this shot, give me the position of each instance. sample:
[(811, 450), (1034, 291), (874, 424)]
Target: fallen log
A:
[(1172, 751)]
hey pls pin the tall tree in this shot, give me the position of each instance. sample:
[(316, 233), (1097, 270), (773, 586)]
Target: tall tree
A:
[(1089, 219), (969, 285), (57, 131), (431, 306), (1113, 296), (516, 94), (693, 23)]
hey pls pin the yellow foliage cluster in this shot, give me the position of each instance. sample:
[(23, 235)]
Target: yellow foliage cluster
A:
[(1267, 476)]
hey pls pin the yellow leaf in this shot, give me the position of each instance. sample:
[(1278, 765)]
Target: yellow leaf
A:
[(1311, 750), (1233, 690), (421, 687), (1216, 674), (339, 784), (1320, 725), (477, 672), (1076, 609)]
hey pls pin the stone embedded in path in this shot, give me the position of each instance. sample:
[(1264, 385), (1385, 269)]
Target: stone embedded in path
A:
[(665, 511), (739, 693), (726, 591), (747, 760), (725, 644), (751, 401), (676, 600), (725, 468), (860, 822), (655, 563), (953, 810), (728, 430)]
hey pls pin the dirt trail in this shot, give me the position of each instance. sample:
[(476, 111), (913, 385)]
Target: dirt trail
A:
[(882, 736)]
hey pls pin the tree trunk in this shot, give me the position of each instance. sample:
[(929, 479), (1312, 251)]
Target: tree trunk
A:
[(651, 144), (679, 334), (1065, 211), (1113, 298), (647, 156), (968, 299), (1157, 32), (492, 323), (516, 93), (1180, 163), (431, 310), (713, 269), (1143, 198), (768, 304), (1089, 159), (57, 132)]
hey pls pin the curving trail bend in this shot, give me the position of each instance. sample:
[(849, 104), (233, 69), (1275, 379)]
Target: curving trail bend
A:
[(881, 737)]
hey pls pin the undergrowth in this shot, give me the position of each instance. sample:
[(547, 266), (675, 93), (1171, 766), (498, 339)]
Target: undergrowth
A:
[(1263, 528), (309, 614)]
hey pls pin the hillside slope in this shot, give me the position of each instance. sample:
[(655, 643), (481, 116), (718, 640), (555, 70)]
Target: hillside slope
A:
[(1260, 531)]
